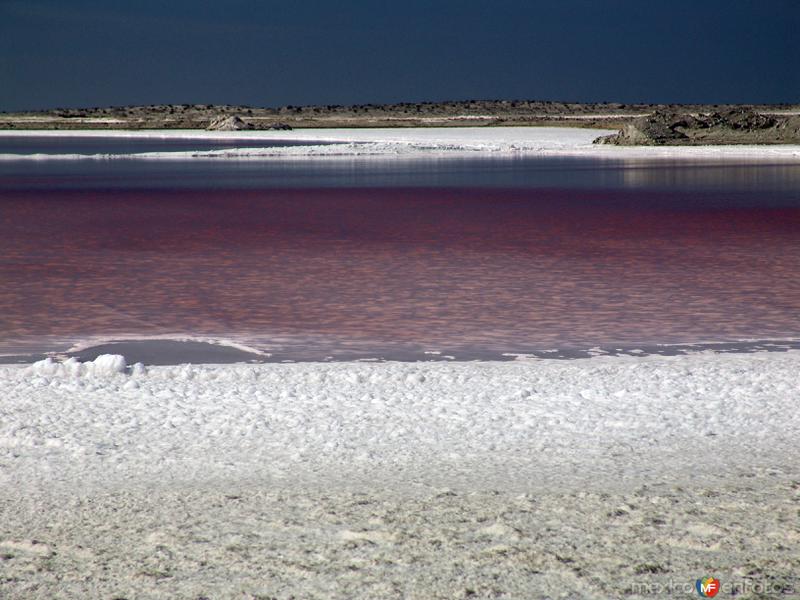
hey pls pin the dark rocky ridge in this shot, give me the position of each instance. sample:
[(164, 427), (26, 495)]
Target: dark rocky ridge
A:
[(609, 115), (732, 126)]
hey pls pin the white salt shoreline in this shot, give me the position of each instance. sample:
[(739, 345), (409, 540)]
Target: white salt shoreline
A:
[(408, 143), (600, 423), (594, 478)]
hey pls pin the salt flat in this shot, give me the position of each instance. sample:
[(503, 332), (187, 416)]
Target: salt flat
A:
[(408, 142), (588, 478), (598, 423), (254, 542)]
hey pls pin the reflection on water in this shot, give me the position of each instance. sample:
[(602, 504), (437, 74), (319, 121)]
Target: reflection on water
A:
[(506, 269), (772, 181), (710, 175), (64, 144)]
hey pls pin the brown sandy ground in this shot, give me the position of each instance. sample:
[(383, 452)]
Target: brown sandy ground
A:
[(736, 126), (410, 114)]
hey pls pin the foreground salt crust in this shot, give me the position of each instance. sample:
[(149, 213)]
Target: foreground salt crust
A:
[(595, 423), (408, 143), (256, 542), (596, 478)]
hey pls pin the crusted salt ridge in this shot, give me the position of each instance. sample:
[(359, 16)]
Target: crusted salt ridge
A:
[(409, 143), (600, 422)]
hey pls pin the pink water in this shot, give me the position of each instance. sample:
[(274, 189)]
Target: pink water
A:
[(382, 269)]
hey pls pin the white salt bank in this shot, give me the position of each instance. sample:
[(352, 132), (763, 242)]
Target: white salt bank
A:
[(399, 480), (601, 423), (438, 142)]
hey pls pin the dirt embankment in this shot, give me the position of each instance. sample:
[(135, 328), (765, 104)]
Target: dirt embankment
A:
[(733, 126), (469, 113)]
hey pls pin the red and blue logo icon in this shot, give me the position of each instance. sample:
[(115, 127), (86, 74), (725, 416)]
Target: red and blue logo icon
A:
[(707, 587)]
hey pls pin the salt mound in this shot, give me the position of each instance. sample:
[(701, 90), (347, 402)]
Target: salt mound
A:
[(105, 364), (232, 123), (109, 363)]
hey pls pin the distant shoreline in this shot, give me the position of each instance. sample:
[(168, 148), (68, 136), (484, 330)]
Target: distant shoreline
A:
[(603, 115), (166, 352), (405, 143)]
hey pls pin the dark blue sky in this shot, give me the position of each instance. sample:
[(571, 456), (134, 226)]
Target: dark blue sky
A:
[(55, 53)]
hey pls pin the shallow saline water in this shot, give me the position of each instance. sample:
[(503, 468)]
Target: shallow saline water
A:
[(392, 258)]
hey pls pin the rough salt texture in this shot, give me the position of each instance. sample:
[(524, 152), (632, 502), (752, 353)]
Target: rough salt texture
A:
[(506, 425), (588, 478), (252, 542)]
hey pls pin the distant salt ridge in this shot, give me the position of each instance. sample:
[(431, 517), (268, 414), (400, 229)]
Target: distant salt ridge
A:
[(412, 142)]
